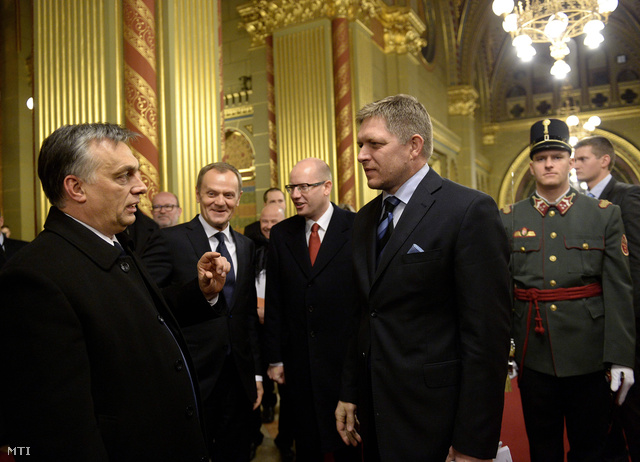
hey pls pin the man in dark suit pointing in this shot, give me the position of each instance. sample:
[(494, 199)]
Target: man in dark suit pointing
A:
[(225, 349), (425, 375)]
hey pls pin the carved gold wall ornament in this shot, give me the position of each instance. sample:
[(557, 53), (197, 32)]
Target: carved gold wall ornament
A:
[(261, 17), (463, 100), (403, 30)]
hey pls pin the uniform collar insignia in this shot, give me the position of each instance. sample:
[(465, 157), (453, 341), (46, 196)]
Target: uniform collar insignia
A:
[(563, 204), (540, 205)]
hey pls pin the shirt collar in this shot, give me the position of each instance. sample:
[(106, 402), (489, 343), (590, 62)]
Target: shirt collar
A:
[(405, 191), (597, 189), (104, 237), (210, 231), (323, 221)]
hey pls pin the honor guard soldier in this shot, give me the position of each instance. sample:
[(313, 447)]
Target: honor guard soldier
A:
[(573, 320)]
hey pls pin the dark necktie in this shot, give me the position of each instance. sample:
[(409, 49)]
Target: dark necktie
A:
[(117, 245), (385, 227), (230, 283), (314, 243)]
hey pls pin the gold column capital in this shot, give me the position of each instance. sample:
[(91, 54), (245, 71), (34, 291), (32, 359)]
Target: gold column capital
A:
[(403, 30), (463, 100)]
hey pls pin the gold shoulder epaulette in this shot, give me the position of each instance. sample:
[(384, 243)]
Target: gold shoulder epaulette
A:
[(603, 204)]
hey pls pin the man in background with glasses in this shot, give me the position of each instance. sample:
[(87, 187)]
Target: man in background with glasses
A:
[(166, 209), (309, 309)]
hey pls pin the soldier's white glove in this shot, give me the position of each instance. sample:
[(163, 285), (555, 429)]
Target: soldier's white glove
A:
[(621, 378)]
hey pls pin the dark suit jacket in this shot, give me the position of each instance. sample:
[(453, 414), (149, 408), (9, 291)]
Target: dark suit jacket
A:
[(627, 196), (210, 332), (92, 355), (309, 317), (434, 329), (11, 247), (149, 244), (253, 232)]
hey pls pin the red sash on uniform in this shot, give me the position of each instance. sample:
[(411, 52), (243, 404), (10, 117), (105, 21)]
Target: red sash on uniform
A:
[(551, 295)]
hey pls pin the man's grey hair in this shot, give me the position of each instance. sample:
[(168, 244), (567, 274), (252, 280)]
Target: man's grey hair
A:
[(404, 116), (67, 151)]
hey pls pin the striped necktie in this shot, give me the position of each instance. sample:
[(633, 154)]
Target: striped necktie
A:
[(230, 282), (385, 227)]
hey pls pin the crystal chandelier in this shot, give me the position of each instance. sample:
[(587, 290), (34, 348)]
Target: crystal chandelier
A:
[(554, 22), (579, 125)]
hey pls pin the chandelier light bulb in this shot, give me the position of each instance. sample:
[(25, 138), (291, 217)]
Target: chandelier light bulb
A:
[(501, 7), (556, 26), (573, 140), (593, 40), (593, 26), (588, 127), (607, 6), (560, 69), (595, 121), (526, 53), (521, 41), (573, 120), (510, 23)]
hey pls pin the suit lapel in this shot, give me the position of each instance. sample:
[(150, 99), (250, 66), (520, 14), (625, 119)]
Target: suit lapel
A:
[(418, 206), (243, 257), (334, 239), (608, 189), (198, 237), (296, 241)]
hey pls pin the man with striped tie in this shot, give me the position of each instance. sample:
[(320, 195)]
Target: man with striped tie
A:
[(425, 375)]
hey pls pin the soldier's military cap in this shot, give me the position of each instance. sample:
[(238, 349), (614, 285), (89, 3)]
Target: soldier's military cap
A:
[(549, 134)]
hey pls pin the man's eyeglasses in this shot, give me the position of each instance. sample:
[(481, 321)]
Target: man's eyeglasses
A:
[(302, 187), (168, 208)]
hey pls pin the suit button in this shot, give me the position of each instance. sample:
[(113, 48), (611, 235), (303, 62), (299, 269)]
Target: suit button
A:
[(522, 249), (310, 308), (553, 258), (160, 319), (553, 283), (585, 246), (312, 334), (552, 213), (124, 266), (373, 314), (189, 411), (179, 365), (554, 235), (553, 307)]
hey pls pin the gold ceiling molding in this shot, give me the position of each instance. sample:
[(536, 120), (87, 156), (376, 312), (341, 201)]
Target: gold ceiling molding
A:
[(463, 100), (261, 17), (403, 29)]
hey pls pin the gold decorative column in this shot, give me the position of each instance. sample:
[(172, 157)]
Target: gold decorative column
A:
[(271, 111), (463, 100), (77, 49), (141, 99), (345, 154)]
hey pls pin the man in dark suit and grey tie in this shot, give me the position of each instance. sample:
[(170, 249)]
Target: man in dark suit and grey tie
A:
[(8, 247), (225, 349), (309, 309), (594, 159), (425, 374)]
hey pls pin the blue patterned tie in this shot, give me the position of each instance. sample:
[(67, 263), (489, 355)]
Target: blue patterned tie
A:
[(230, 282), (385, 227)]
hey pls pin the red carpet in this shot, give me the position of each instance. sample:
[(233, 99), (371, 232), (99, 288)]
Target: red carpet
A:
[(513, 433)]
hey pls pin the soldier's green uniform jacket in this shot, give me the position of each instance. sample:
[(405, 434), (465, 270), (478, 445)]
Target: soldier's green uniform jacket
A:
[(574, 243)]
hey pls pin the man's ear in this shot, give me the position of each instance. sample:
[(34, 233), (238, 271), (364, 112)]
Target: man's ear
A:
[(74, 187), (606, 160), (417, 142)]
